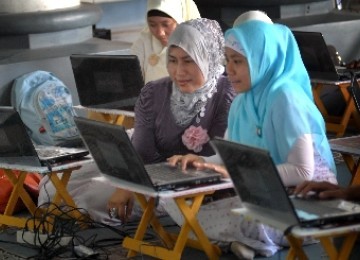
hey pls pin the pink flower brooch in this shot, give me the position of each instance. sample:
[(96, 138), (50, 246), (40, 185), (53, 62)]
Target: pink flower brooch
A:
[(194, 138)]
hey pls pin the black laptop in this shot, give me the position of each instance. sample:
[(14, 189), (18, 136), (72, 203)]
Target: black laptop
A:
[(317, 58), (107, 81), (16, 146), (116, 157), (258, 184)]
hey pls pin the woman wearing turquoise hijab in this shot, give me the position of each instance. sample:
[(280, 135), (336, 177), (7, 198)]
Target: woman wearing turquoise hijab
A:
[(273, 110)]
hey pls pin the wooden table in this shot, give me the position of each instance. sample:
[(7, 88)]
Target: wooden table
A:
[(349, 148), (337, 125), (325, 235), (59, 176), (188, 202), (112, 116)]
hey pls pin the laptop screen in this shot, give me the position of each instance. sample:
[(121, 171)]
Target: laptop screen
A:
[(315, 55), (107, 81), (252, 172), (112, 150), (14, 140)]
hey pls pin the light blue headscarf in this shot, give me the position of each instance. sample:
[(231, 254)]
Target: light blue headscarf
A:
[(279, 107)]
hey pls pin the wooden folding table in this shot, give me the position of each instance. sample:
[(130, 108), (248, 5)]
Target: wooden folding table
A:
[(59, 175), (188, 202), (112, 116), (349, 148), (325, 234), (337, 125)]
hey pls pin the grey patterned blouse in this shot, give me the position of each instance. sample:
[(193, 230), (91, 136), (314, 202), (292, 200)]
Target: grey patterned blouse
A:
[(157, 136)]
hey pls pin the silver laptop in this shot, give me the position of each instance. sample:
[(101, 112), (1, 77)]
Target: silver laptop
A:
[(115, 156), (107, 81), (317, 59), (257, 182), (347, 145), (16, 146)]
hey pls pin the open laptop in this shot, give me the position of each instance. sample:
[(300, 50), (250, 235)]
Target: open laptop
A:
[(317, 58), (107, 81), (115, 156), (258, 184), (16, 146)]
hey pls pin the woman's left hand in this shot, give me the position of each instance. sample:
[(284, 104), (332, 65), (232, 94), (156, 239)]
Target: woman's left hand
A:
[(197, 162), (212, 166), (120, 204)]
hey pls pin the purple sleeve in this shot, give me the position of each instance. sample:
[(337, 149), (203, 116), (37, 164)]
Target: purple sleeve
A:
[(143, 138)]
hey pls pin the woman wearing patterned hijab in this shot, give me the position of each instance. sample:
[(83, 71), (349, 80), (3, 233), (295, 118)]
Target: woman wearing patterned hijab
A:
[(162, 18), (273, 110), (180, 113), (194, 99)]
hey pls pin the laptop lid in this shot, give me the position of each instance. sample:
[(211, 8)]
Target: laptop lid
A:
[(17, 147), (115, 156), (107, 81), (316, 56), (261, 190)]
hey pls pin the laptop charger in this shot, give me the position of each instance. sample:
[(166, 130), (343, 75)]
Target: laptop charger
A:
[(84, 251)]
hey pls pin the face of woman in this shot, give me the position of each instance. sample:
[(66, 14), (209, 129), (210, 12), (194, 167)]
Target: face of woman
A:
[(184, 71), (237, 69), (161, 27)]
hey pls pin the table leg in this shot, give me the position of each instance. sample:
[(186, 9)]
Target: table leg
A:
[(350, 109), (191, 224), (18, 192), (316, 93), (296, 250), (340, 127), (356, 175), (137, 244), (347, 246), (353, 167), (61, 193), (174, 244)]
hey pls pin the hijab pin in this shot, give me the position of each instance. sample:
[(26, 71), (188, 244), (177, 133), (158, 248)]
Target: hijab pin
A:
[(197, 120), (258, 131)]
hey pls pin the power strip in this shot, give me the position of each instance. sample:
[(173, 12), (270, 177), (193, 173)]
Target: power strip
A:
[(36, 239)]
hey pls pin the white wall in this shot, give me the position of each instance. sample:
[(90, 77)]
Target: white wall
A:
[(125, 19)]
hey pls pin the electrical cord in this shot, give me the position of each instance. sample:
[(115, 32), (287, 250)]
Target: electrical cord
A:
[(53, 223)]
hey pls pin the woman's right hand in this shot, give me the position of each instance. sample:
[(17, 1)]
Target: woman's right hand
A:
[(325, 190), (121, 204), (185, 160)]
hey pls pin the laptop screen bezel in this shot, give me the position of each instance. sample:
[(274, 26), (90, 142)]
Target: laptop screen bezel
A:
[(127, 83), (324, 68), (229, 151), (91, 131), (18, 137)]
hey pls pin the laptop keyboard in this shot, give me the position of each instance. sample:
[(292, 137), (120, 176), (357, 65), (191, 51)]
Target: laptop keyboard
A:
[(50, 152), (317, 207), (173, 173)]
